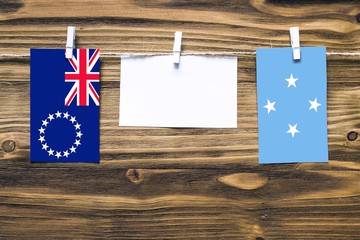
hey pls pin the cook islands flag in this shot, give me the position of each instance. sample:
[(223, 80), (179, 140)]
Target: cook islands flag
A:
[(64, 108), (292, 105)]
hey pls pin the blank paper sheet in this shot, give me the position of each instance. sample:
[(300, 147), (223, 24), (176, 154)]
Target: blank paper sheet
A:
[(200, 92)]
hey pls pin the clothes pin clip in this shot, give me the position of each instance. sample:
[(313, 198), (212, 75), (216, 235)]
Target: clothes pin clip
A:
[(70, 42), (177, 47), (295, 42)]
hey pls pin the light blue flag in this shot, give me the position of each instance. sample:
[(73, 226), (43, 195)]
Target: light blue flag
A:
[(292, 105)]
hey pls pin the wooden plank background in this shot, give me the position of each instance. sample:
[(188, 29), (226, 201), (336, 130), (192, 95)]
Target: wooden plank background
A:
[(180, 183)]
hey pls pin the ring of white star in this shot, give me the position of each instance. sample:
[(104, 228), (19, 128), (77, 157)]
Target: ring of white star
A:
[(74, 146)]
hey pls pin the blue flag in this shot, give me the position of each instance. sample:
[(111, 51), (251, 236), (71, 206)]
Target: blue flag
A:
[(64, 108), (292, 105)]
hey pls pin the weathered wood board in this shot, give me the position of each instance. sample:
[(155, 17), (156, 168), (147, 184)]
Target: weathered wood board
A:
[(180, 183)]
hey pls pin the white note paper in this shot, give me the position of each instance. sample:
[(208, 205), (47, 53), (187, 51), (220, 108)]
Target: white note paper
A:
[(200, 92)]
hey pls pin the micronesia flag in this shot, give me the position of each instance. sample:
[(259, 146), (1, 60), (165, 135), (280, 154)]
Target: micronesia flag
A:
[(64, 108), (292, 105)]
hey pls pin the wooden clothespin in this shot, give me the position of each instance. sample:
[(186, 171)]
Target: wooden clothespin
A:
[(177, 47), (70, 42), (295, 42)]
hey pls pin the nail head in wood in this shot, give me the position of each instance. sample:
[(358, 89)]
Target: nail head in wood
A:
[(352, 136), (259, 238), (8, 146), (358, 18), (135, 176)]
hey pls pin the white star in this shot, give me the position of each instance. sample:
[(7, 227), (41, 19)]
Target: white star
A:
[(45, 146), (291, 81), (58, 155), (42, 139), (270, 106), (73, 149), (51, 116), (77, 126), (42, 130), (77, 143), (73, 119), (66, 153), (51, 152), (314, 104), (66, 115), (45, 122), (79, 134), (293, 130), (58, 114)]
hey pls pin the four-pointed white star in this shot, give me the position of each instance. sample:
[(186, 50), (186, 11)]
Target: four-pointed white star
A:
[(292, 130), (291, 81), (314, 104), (58, 114), (270, 106)]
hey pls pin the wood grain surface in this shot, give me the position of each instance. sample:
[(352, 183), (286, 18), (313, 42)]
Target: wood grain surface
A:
[(166, 183)]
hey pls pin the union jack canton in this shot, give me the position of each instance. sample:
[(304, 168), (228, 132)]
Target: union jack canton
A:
[(64, 106), (82, 77)]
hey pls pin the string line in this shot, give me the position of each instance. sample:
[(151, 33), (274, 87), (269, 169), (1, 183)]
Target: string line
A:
[(129, 54)]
